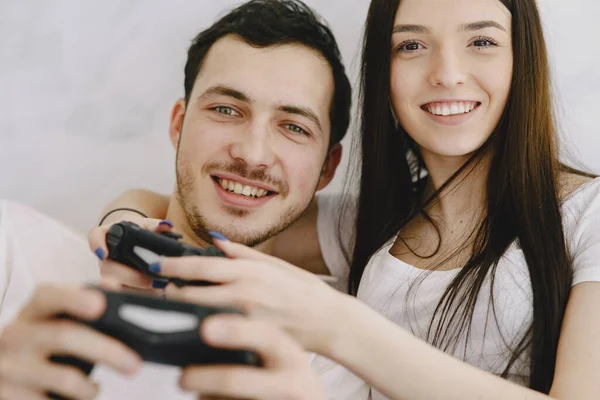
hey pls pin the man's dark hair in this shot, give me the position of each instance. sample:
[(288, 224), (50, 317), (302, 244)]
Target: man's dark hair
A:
[(264, 23)]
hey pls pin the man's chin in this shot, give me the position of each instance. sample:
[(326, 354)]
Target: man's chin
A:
[(236, 212), (249, 238), (243, 226)]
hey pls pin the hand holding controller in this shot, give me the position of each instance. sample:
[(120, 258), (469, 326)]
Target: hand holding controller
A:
[(160, 331), (138, 248)]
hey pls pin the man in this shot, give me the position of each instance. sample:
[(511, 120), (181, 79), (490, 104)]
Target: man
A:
[(257, 133)]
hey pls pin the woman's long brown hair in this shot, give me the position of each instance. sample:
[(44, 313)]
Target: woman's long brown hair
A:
[(522, 202)]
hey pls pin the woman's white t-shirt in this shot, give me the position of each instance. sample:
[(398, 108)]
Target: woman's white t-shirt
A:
[(386, 281)]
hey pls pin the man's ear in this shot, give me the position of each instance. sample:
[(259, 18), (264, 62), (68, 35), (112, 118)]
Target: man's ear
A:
[(176, 124), (331, 163)]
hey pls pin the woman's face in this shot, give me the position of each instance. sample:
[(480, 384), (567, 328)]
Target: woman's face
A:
[(451, 72)]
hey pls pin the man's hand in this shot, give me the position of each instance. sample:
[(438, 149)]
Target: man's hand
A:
[(285, 373), (35, 335)]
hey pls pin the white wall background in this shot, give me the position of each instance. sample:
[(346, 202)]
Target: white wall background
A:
[(86, 89)]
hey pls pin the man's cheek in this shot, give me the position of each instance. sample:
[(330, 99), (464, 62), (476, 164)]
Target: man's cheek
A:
[(307, 178)]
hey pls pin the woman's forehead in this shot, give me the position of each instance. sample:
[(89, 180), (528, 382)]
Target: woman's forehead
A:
[(451, 13)]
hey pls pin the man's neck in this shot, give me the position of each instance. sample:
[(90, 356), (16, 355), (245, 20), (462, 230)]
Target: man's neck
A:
[(176, 215)]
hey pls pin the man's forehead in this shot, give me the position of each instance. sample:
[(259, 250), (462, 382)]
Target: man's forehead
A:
[(280, 74)]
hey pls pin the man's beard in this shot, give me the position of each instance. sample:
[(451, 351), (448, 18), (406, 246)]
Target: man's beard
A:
[(198, 223)]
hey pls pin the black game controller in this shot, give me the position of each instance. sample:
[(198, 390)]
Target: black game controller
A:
[(137, 248), (161, 331)]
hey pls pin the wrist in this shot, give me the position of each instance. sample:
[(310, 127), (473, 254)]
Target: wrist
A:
[(341, 326), (121, 214)]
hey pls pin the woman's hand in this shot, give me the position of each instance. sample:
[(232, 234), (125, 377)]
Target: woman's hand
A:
[(265, 288), (285, 373)]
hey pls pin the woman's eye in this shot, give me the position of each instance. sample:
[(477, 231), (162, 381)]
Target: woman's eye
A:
[(409, 47), (225, 110), (484, 42)]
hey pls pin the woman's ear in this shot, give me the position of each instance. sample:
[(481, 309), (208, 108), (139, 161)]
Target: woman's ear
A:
[(331, 163), (177, 116)]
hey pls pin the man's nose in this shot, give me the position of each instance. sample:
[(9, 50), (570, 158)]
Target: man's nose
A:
[(254, 146)]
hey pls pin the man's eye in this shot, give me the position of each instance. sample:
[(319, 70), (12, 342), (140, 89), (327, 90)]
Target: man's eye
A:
[(225, 110), (296, 129)]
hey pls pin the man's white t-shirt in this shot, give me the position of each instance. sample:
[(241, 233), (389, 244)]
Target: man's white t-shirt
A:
[(386, 281), (35, 248)]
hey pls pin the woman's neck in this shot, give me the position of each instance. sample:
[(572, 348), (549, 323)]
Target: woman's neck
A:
[(466, 195)]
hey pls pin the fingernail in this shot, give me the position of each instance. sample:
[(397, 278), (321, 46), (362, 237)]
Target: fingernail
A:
[(166, 222), (154, 268), (159, 284), (100, 253), (218, 236)]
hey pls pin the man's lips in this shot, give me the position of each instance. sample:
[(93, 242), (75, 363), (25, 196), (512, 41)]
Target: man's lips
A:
[(244, 182), (239, 199)]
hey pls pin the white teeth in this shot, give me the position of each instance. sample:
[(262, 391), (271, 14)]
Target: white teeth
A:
[(244, 190), (454, 108)]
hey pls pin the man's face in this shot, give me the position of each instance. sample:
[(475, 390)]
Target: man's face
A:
[(253, 139)]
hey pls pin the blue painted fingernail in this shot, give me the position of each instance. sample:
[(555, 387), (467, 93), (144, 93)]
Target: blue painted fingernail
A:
[(159, 284), (154, 268), (100, 253), (166, 222), (218, 236)]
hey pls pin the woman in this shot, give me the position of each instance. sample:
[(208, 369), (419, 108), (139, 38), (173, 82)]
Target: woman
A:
[(478, 243)]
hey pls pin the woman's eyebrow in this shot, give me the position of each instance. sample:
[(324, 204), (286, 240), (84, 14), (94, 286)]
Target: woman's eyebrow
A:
[(473, 26), (476, 26), (411, 29)]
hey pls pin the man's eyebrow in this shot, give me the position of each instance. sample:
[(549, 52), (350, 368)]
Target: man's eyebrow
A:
[(473, 26), (410, 29), (221, 90), (476, 26), (302, 111)]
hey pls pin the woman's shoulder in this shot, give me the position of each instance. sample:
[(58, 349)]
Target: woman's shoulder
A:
[(581, 218), (580, 206), (569, 184)]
